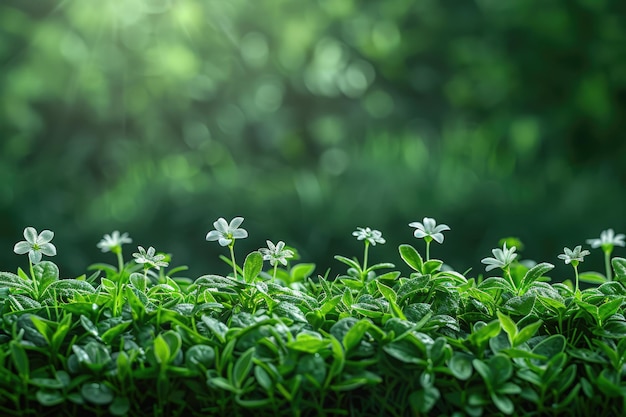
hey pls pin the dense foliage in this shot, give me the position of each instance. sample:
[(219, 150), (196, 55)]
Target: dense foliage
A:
[(138, 339), (335, 112)]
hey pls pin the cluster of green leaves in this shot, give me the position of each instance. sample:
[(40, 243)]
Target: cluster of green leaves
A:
[(381, 340)]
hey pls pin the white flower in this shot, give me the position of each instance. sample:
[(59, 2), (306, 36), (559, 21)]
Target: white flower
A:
[(608, 239), (226, 233), (502, 258), (276, 253), (372, 236), (35, 245), (429, 229), (114, 241), (150, 257), (574, 256)]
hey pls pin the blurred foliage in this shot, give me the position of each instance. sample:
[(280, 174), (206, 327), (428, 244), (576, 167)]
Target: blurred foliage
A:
[(310, 118)]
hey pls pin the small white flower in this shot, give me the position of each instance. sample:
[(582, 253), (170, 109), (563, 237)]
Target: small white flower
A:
[(502, 258), (36, 245), (372, 236), (429, 229), (114, 241), (150, 258), (226, 233), (574, 256), (276, 253), (608, 239)]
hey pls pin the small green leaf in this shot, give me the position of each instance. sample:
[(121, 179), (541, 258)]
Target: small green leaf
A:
[(606, 310), (9, 280), (242, 368), (509, 326), (527, 332), (263, 378), (120, 406), (161, 350), (349, 262), (423, 400), (503, 403), (300, 272), (353, 337), (431, 266), (619, 266), (49, 398), (308, 343), (386, 292), (20, 359), (535, 273), (252, 266), (460, 365), (97, 393), (592, 278), (411, 257)]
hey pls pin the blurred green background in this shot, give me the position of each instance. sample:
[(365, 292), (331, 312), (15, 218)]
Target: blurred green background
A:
[(310, 118)]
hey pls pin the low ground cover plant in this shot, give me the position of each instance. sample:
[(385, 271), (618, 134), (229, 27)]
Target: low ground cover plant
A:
[(137, 338)]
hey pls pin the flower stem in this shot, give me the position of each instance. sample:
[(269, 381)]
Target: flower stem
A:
[(120, 262), (275, 269), (427, 249), (365, 254), (32, 275), (576, 273), (607, 265), (232, 257)]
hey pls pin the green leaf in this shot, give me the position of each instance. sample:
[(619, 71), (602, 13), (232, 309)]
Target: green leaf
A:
[(353, 337), (591, 278), (351, 263), (306, 342), (535, 273), (501, 369), (606, 310), (619, 266), (20, 359), (386, 292), (527, 332), (161, 350), (503, 403), (49, 398), (242, 368), (252, 266), (460, 365), (120, 406), (300, 272), (200, 355), (218, 328), (423, 400), (431, 266), (45, 272), (9, 280), (550, 346), (509, 326), (97, 393), (411, 257), (263, 378)]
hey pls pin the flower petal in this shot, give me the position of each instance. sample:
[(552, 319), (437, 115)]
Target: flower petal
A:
[(224, 241), (22, 247), (419, 233), (45, 236), (417, 224), (213, 235), (239, 233), (235, 223), (48, 249), (30, 234), (34, 256), (221, 225), (438, 237)]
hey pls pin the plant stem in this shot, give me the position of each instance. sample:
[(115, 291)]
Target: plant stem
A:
[(232, 257), (32, 275), (607, 265), (275, 269), (427, 250), (120, 262), (365, 253), (576, 273)]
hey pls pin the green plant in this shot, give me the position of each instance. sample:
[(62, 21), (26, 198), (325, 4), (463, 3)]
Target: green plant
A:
[(140, 340)]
